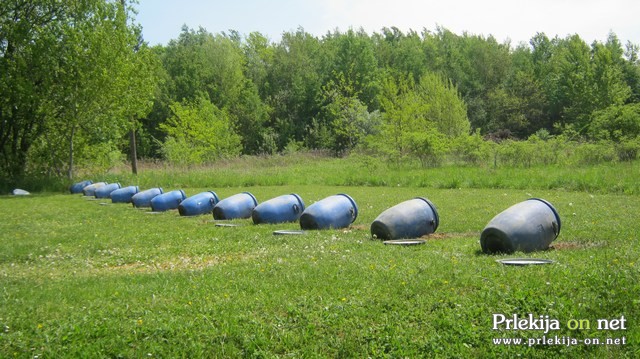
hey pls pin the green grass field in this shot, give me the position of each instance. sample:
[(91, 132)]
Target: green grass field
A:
[(79, 278)]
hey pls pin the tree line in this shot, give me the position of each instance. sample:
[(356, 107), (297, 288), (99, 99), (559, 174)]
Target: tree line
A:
[(80, 87)]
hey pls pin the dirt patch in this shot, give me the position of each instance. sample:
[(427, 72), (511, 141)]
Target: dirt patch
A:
[(437, 236), (176, 264), (432, 236), (572, 245), (360, 227)]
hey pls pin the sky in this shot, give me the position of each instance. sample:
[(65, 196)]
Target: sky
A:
[(506, 20)]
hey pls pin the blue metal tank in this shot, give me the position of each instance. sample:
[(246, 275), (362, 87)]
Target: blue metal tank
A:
[(200, 203), (526, 226), (77, 187), (337, 211), (167, 201), (285, 208), (409, 219), (124, 195), (105, 191), (143, 199), (90, 190), (237, 206)]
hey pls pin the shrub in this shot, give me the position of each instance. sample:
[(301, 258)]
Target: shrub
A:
[(429, 147), (199, 132), (472, 149), (516, 153), (628, 149), (536, 151), (616, 122), (590, 153)]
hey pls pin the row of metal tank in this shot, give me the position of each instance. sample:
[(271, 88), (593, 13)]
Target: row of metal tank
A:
[(527, 226)]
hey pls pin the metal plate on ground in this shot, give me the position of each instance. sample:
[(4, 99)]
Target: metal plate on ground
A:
[(288, 232), (227, 225), (524, 261), (153, 212), (405, 242)]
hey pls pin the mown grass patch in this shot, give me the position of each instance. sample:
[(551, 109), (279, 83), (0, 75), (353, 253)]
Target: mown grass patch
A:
[(84, 279)]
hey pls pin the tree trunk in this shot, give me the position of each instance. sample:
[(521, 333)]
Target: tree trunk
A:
[(134, 151), (70, 170)]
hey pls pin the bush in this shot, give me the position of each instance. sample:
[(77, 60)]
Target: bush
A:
[(180, 152), (540, 151), (429, 147), (628, 149), (199, 132), (590, 153), (516, 153), (472, 149), (616, 122)]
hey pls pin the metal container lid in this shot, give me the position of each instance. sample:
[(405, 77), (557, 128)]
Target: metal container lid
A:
[(405, 242), (524, 261)]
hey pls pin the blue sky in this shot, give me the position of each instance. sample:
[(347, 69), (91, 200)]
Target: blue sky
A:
[(517, 20)]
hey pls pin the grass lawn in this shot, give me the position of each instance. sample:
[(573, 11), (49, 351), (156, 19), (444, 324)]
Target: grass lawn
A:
[(79, 278)]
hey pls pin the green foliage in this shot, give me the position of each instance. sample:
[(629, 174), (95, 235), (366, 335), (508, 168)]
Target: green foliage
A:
[(516, 153), (611, 88), (446, 109), (593, 153), (294, 84), (399, 106), (404, 53), (616, 122), (540, 149), (428, 146), (79, 75), (104, 84), (347, 119), (319, 135), (476, 65), (100, 157), (199, 132), (199, 62), (351, 59), (419, 119), (631, 70), (76, 77), (350, 123), (586, 80), (472, 149), (27, 63), (628, 149)]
